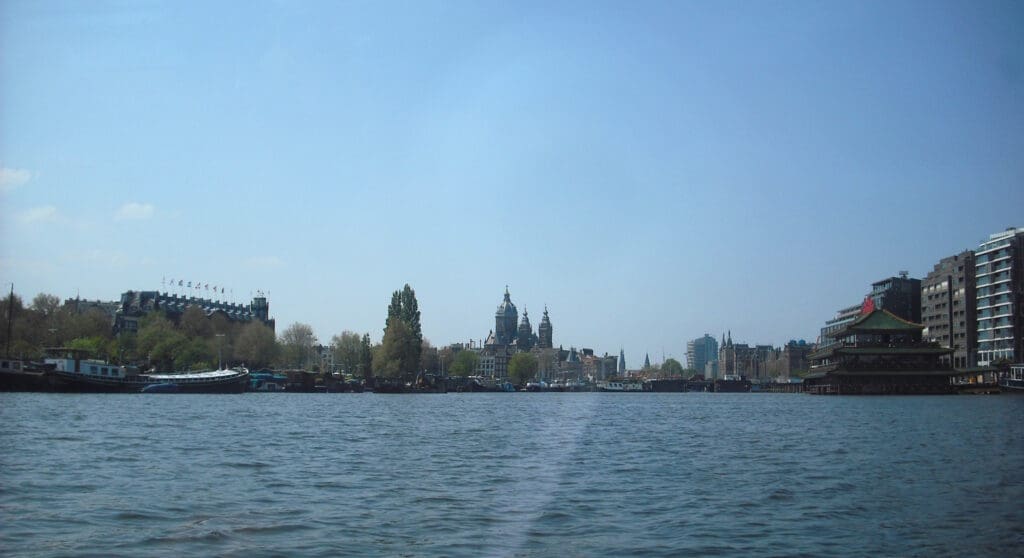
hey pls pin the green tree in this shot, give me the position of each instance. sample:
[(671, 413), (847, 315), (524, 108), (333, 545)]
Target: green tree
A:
[(164, 354), (194, 354), (91, 323), (297, 346), (46, 304), (464, 363), (522, 367), (123, 348), (256, 346), (392, 359), (153, 329), (365, 368), (194, 323), (429, 359), (672, 368), (95, 347), (404, 308), (347, 348)]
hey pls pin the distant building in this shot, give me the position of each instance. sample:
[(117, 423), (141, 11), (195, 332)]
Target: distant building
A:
[(80, 306), (510, 336), (545, 332), (899, 295), (789, 360), (949, 309), (596, 367), (525, 339), (999, 276), (135, 305), (710, 371), (701, 351), (843, 317), (570, 365), (621, 370)]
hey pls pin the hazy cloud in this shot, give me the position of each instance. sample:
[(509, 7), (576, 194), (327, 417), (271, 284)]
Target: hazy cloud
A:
[(12, 178), (134, 211), (43, 214)]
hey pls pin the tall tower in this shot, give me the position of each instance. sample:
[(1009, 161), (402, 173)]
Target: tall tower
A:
[(622, 363), (505, 320), (544, 332), (526, 339), (999, 276)]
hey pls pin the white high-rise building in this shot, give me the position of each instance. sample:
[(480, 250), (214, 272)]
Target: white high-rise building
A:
[(999, 276)]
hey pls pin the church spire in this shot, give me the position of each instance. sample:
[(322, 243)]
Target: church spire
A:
[(545, 332)]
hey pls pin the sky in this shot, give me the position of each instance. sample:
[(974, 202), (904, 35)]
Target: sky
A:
[(649, 171)]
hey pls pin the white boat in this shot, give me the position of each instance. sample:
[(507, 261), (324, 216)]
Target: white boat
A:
[(620, 386)]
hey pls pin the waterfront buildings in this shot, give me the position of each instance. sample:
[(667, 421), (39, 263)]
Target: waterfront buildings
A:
[(701, 351), (879, 353), (899, 295), (789, 361), (949, 306), (999, 276), (137, 304), (80, 306)]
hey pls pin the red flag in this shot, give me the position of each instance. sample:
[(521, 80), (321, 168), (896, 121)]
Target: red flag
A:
[(869, 305)]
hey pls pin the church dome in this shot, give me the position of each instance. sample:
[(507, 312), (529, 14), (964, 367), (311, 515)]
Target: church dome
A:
[(506, 308)]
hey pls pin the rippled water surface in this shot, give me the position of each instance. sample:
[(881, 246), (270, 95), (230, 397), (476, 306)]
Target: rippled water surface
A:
[(575, 474)]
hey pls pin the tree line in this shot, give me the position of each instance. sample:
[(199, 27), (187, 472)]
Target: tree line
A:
[(195, 341)]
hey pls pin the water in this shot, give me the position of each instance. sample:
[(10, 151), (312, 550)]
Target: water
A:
[(574, 474)]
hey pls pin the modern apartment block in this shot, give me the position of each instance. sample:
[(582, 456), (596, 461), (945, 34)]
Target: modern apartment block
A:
[(701, 351), (899, 295), (999, 278), (843, 317), (948, 308)]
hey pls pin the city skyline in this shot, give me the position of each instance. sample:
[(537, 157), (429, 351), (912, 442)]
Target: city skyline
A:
[(650, 173)]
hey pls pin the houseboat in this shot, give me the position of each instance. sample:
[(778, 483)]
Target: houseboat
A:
[(71, 372)]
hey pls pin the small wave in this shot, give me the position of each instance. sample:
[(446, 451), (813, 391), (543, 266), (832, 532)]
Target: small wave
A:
[(781, 494), (136, 515), (208, 536), (246, 464), (271, 529)]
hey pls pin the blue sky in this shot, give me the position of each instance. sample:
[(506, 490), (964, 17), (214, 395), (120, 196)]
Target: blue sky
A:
[(650, 171)]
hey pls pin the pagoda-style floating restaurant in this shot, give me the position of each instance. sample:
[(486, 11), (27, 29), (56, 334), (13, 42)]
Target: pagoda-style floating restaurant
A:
[(880, 353)]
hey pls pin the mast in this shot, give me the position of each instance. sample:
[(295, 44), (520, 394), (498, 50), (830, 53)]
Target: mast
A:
[(10, 321)]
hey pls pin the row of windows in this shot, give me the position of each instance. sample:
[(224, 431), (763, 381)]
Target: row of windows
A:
[(102, 371)]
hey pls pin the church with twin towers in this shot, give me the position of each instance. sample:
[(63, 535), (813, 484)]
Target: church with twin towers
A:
[(510, 336)]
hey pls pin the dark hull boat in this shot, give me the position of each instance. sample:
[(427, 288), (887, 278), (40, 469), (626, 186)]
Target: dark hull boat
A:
[(19, 375), (77, 375), (216, 381)]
